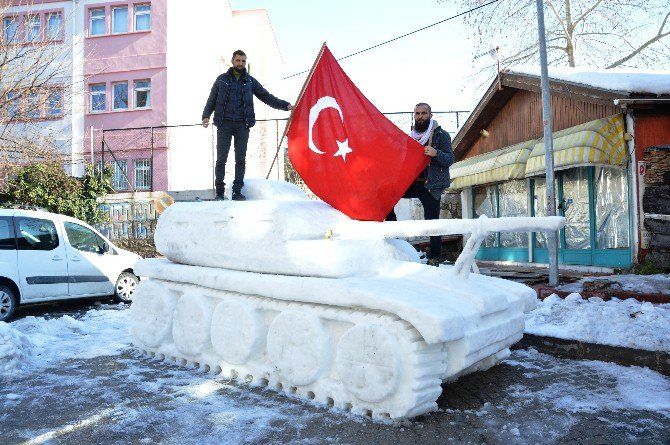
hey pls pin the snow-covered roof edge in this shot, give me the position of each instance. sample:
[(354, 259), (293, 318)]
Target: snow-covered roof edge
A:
[(630, 80)]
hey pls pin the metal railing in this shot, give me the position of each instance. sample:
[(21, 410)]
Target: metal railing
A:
[(119, 145)]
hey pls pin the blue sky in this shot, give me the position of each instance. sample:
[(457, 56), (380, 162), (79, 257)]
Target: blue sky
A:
[(430, 66)]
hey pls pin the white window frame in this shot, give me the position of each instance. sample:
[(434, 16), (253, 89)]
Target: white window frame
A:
[(137, 13), (58, 34), (102, 93), (118, 180), (31, 23), (33, 105), (13, 105), (51, 110), (142, 174), (114, 11), (7, 22), (114, 107), (92, 19), (140, 89)]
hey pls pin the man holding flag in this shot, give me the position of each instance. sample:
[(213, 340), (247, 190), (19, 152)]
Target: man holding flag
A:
[(432, 181)]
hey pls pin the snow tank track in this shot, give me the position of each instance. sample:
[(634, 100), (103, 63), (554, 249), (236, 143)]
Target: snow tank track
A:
[(370, 363)]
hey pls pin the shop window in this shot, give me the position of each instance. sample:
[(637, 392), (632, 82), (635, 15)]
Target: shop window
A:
[(513, 202), (486, 203), (611, 206)]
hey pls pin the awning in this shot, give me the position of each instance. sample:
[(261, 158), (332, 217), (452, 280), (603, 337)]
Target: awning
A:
[(598, 142), (496, 166)]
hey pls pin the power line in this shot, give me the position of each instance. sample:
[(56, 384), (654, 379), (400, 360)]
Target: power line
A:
[(404, 35)]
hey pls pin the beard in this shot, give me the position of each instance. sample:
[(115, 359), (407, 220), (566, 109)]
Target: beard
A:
[(239, 70), (420, 127)]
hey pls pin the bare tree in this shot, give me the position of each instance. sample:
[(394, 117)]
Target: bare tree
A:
[(599, 33), (35, 82)]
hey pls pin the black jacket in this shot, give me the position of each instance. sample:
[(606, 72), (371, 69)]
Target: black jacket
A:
[(437, 178), (220, 93)]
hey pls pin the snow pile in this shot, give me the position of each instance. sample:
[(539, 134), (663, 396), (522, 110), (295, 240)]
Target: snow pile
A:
[(624, 323), (630, 80), (15, 348), (648, 284), (33, 343)]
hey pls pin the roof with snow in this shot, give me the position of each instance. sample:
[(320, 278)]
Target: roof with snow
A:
[(590, 85), (629, 81)]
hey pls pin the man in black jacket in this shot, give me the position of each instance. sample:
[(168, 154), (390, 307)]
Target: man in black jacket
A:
[(232, 101), (430, 184)]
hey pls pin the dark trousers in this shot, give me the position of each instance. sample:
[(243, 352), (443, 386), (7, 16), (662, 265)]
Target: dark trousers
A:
[(431, 210), (224, 135)]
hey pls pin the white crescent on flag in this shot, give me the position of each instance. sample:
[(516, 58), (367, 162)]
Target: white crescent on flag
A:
[(320, 105)]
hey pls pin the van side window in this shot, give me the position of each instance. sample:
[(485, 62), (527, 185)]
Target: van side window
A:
[(7, 239), (36, 234), (82, 238)]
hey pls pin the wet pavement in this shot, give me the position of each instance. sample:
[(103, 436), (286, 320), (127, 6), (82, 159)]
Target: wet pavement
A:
[(530, 398)]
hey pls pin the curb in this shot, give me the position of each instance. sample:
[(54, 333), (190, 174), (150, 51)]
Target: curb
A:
[(658, 361), (656, 298)]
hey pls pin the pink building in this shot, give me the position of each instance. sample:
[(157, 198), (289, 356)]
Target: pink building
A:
[(139, 66)]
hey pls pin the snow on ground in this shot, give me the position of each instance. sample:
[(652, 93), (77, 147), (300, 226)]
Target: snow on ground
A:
[(627, 323), (75, 378), (652, 284)]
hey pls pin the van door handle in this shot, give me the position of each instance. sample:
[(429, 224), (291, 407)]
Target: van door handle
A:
[(76, 258), (56, 258)]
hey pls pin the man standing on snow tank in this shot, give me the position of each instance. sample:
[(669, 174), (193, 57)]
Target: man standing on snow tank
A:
[(430, 184), (232, 101)]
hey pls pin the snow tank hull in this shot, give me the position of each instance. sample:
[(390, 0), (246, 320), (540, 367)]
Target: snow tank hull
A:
[(377, 344)]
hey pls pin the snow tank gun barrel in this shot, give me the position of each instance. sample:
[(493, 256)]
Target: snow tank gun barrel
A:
[(482, 225), (478, 229)]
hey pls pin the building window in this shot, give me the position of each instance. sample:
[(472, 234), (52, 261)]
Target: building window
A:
[(142, 17), (55, 26), (120, 171), (120, 96), (33, 106), (32, 27), (10, 29), (98, 97), (142, 93), (120, 19), (97, 21), (142, 174), (54, 103), (13, 106)]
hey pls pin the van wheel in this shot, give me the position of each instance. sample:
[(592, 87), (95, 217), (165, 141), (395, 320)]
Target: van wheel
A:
[(7, 302), (125, 287)]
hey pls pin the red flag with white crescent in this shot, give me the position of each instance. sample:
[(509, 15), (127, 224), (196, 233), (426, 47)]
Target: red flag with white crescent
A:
[(347, 152)]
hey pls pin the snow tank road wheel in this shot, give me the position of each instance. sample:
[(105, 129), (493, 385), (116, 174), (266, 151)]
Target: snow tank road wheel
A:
[(192, 321), (297, 344), (7, 302), (368, 362), (151, 313), (236, 331), (125, 287)]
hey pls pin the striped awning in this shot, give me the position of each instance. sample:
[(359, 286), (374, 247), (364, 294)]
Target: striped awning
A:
[(496, 166), (599, 142)]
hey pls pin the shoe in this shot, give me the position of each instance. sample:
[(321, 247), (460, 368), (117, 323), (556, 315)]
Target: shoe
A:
[(237, 196), (219, 197), (434, 262)]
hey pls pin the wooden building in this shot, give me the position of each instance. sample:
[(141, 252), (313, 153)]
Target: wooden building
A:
[(604, 123)]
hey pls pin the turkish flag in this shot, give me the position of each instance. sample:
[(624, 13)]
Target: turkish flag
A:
[(347, 152)]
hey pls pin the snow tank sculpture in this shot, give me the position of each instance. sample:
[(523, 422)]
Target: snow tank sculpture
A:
[(289, 293)]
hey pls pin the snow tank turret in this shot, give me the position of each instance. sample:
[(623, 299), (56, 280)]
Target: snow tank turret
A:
[(286, 292)]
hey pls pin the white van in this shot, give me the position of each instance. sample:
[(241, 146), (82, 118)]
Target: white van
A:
[(46, 256)]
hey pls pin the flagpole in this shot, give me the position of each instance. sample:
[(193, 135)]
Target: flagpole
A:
[(302, 92)]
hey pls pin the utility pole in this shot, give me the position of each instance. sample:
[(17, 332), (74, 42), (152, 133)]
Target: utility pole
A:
[(552, 238)]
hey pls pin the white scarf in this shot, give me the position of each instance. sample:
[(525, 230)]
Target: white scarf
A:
[(423, 137)]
